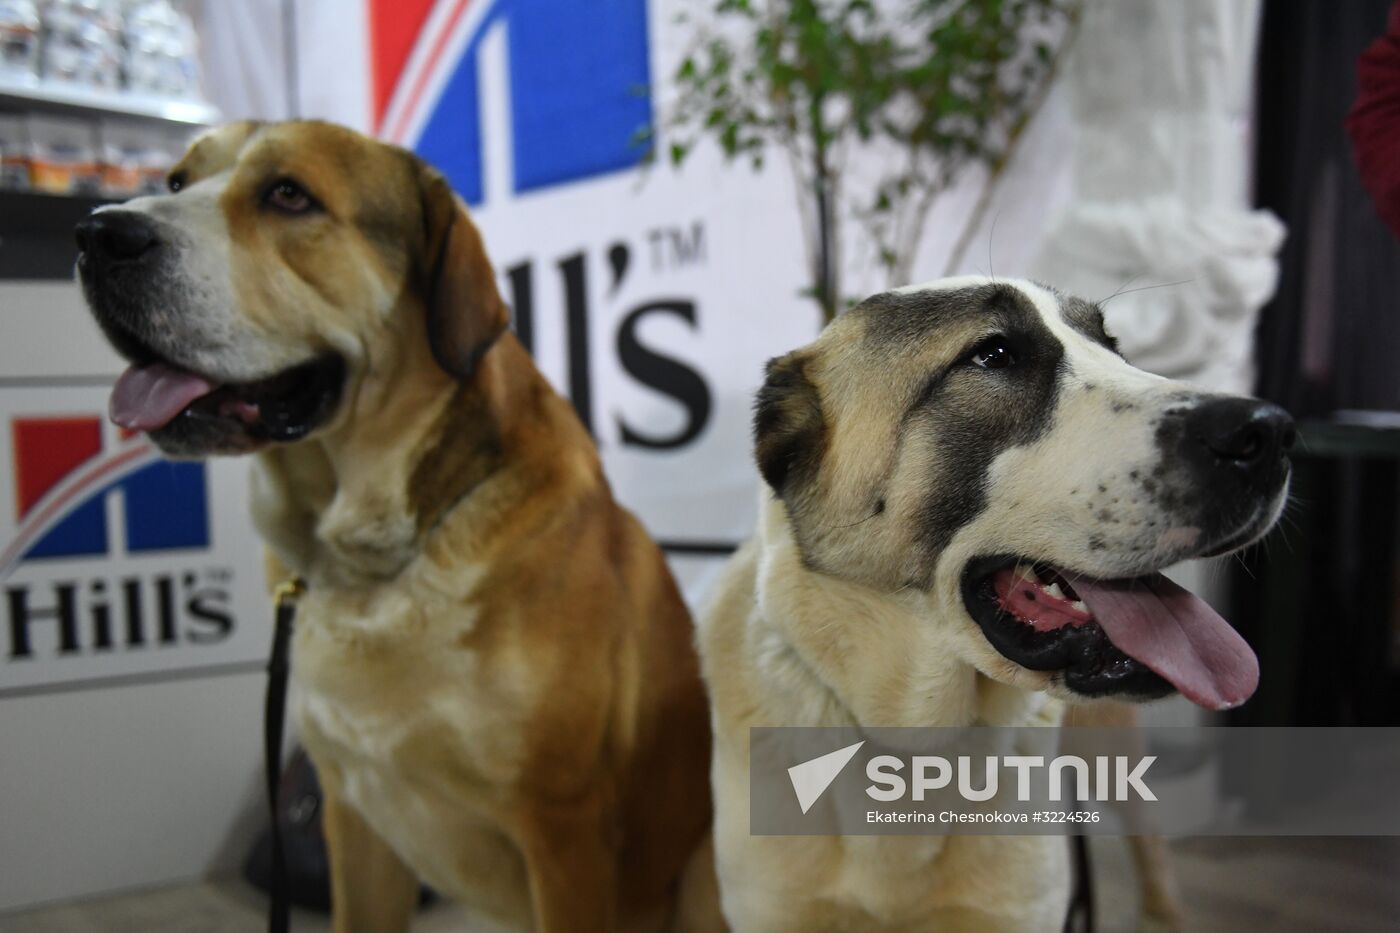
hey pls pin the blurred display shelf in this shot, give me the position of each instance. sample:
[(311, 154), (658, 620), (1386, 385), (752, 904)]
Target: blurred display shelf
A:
[(1317, 600), (51, 97), (1374, 434), (36, 233)]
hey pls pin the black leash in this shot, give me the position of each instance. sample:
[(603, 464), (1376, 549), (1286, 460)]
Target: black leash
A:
[(274, 717), (1080, 918)]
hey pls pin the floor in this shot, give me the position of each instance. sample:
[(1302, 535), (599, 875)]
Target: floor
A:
[(1277, 884)]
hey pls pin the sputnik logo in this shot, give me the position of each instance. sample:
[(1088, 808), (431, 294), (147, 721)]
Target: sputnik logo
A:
[(811, 778)]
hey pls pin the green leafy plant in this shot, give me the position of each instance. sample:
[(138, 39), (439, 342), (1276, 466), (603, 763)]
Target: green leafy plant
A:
[(878, 107)]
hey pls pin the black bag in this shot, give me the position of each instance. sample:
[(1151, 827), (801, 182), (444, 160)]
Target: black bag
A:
[(299, 814), (308, 865)]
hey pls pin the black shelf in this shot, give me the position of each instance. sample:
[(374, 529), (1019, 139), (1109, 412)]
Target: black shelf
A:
[(36, 233), (1316, 600), (1350, 435)]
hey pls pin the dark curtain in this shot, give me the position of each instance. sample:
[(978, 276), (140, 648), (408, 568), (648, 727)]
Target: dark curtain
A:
[(1330, 337), (1320, 600)]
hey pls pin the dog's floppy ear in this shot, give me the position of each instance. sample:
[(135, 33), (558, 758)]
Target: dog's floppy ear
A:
[(788, 427), (465, 311)]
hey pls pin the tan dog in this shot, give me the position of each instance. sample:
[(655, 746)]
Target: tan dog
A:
[(969, 495), (495, 669)]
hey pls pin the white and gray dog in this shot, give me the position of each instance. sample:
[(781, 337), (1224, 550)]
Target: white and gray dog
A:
[(970, 497)]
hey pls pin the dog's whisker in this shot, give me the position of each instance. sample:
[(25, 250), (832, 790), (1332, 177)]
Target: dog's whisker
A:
[(1120, 288), (1145, 288)]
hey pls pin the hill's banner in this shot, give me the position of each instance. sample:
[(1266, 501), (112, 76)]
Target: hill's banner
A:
[(115, 564)]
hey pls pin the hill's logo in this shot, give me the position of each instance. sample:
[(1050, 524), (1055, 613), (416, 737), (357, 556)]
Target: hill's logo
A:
[(513, 97), (63, 478), (569, 82), (108, 550)]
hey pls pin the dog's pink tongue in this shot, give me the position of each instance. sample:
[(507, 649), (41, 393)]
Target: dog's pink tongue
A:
[(149, 397), (1175, 633)]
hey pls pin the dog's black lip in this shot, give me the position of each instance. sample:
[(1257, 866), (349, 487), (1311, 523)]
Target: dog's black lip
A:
[(1081, 657), (291, 404)]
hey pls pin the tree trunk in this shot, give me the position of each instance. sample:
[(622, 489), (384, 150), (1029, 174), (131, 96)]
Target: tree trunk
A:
[(825, 286), (826, 266)]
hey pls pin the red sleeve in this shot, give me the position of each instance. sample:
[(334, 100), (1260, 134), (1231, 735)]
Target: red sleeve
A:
[(1374, 121)]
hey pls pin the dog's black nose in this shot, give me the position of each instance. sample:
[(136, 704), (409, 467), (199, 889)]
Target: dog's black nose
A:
[(116, 236), (1243, 432)]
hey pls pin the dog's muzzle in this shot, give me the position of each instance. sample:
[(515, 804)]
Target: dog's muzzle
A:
[(128, 268)]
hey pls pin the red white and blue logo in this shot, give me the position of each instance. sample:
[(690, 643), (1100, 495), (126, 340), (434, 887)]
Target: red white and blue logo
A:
[(109, 567), (575, 74), (63, 478)]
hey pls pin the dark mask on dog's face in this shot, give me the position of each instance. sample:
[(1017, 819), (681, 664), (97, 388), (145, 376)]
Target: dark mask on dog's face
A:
[(983, 443)]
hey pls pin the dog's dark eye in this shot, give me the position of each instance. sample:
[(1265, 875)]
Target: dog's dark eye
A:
[(992, 353), (176, 181), (289, 197)]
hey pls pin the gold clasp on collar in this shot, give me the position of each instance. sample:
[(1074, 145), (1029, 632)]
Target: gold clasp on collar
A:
[(288, 591)]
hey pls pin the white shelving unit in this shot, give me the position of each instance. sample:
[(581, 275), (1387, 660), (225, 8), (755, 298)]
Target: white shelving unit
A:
[(36, 229), (56, 97)]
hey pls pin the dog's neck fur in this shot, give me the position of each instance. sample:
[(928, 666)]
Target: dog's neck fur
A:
[(841, 653), (354, 505)]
